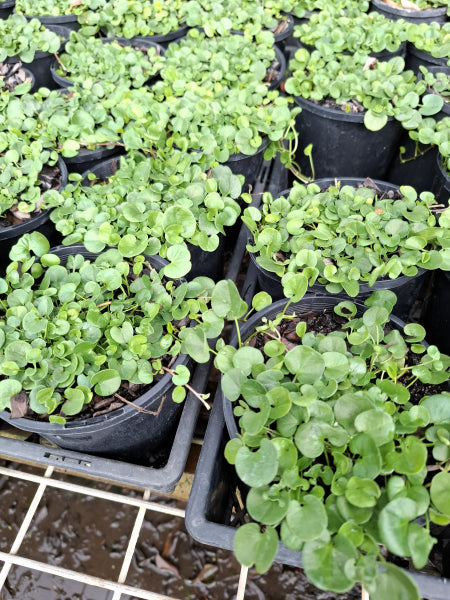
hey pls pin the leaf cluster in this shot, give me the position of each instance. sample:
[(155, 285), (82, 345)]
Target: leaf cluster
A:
[(335, 449), (71, 330), (333, 32), (23, 38), (89, 60), (220, 17), (151, 205), (52, 8), (216, 64), (226, 125), (433, 38), (342, 236), (135, 18), (65, 121), (384, 89), (21, 162)]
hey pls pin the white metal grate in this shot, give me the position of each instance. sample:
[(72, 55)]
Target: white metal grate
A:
[(118, 588)]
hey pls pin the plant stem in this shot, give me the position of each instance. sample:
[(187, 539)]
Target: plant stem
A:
[(201, 397)]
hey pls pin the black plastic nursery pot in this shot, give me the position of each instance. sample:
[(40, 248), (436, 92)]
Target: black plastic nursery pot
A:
[(6, 8), (68, 21), (282, 37), (406, 288), (161, 39), (248, 165), (416, 167), (160, 471), (441, 182), (165, 39), (215, 508), (437, 316), (41, 223), (124, 432), (383, 55), (429, 15), (280, 58), (415, 58), (137, 43), (341, 144), (87, 160), (40, 65), (292, 41)]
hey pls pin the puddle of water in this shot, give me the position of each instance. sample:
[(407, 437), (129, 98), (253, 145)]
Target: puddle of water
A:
[(26, 584)]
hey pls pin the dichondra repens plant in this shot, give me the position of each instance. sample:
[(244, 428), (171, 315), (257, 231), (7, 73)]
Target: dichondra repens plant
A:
[(69, 331), (343, 236), (346, 459)]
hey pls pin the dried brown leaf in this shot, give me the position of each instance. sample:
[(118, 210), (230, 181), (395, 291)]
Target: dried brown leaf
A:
[(19, 215), (164, 565), (207, 573), (19, 405)]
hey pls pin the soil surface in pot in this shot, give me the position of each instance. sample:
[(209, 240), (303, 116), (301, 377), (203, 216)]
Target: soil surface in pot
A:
[(50, 179)]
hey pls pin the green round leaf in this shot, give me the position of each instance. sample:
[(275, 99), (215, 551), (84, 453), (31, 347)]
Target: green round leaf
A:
[(307, 519), (252, 547), (106, 382), (325, 561), (259, 467), (440, 492)]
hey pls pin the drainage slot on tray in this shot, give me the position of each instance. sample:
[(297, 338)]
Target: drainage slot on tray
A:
[(68, 459)]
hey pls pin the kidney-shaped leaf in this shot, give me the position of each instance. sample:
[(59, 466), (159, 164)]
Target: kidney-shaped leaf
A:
[(253, 547), (324, 563), (306, 363), (259, 467), (106, 382)]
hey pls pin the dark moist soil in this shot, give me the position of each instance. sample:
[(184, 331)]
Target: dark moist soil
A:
[(50, 179), (13, 74)]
